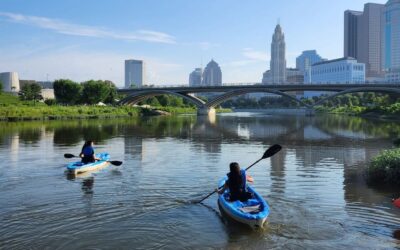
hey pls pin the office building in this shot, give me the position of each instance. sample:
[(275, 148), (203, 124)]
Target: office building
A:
[(196, 77), (212, 75), (306, 59), (362, 37), (342, 70), (391, 36), (134, 73), (10, 81)]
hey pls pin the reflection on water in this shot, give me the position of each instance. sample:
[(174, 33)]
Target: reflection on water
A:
[(315, 185)]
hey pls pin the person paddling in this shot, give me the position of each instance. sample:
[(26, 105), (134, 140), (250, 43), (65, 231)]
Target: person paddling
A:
[(236, 183), (87, 153)]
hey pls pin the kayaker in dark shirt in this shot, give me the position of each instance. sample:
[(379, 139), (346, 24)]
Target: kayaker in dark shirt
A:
[(236, 183), (87, 153)]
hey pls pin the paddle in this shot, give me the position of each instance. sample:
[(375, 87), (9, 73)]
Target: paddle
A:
[(115, 163), (270, 152)]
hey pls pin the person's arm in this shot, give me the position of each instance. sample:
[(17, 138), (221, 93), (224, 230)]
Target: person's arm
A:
[(249, 178), (222, 190)]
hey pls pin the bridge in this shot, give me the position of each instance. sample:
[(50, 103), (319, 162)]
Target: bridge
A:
[(137, 95)]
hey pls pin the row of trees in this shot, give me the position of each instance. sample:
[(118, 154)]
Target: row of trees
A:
[(263, 102), (89, 92), (368, 99)]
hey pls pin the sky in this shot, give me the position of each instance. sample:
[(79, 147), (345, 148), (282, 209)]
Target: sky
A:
[(83, 40)]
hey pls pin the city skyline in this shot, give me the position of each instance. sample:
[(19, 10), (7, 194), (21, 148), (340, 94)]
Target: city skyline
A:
[(71, 44)]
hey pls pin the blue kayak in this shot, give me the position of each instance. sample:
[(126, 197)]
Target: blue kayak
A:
[(253, 212), (78, 167)]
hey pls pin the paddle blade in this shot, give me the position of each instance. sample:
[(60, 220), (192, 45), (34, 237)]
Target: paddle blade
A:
[(116, 163), (69, 156), (272, 150)]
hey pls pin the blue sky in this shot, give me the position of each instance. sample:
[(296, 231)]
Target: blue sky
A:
[(90, 39)]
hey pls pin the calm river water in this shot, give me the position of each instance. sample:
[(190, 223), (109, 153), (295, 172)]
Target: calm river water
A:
[(315, 186)]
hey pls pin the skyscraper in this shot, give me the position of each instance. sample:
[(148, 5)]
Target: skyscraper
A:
[(306, 59), (362, 37), (196, 77), (278, 60), (391, 36), (212, 75), (134, 73)]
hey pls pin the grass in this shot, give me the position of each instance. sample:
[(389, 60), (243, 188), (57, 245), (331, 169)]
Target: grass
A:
[(384, 169), (13, 109)]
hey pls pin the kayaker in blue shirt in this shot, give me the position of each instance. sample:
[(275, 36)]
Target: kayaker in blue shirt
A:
[(236, 183), (87, 153)]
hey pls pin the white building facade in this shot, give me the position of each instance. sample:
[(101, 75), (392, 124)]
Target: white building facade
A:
[(342, 70), (10, 81), (134, 73)]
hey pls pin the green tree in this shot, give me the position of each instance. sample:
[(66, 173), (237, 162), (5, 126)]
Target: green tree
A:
[(113, 96), (67, 91), (31, 92), (95, 91), (1, 87)]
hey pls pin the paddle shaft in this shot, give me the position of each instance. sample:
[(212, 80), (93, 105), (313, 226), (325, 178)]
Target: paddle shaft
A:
[(222, 186)]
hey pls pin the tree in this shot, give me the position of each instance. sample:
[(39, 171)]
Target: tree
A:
[(31, 92), (95, 91), (67, 91), (1, 87), (113, 96)]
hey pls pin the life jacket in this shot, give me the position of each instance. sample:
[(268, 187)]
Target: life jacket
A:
[(237, 189), (88, 154)]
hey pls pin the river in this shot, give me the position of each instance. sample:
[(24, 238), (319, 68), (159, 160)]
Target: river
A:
[(315, 186)]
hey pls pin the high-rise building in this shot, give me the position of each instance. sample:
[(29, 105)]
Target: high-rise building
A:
[(362, 37), (391, 36), (306, 59), (278, 59), (196, 77), (351, 32), (212, 75), (134, 73)]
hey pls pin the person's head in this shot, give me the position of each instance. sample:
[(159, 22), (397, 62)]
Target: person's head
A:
[(234, 168), (89, 143)]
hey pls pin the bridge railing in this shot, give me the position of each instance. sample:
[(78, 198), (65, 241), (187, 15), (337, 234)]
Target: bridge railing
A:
[(256, 84)]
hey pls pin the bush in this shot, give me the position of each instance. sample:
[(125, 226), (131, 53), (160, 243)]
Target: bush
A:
[(50, 102), (385, 168)]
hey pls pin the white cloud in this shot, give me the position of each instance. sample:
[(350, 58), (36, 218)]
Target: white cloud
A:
[(63, 27), (80, 66)]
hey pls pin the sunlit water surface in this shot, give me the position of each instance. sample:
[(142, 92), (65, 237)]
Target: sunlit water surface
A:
[(315, 186)]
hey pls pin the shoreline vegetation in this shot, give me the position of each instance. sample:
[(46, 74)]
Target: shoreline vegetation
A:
[(384, 169), (14, 109)]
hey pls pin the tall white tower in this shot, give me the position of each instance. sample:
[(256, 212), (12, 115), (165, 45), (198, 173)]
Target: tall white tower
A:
[(278, 59)]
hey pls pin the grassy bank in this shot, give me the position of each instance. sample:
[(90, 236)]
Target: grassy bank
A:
[(43, 112), (384, 169), (12, 109)]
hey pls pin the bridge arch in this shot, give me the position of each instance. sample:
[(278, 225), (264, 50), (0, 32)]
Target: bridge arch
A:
[(145, 94), (224, 97), (358, 90)]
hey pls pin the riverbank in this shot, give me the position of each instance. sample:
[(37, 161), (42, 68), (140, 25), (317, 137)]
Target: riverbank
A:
[(12, 109), (389, 112)]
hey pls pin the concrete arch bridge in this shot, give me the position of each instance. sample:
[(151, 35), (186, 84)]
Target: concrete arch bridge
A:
[(136, 95)]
